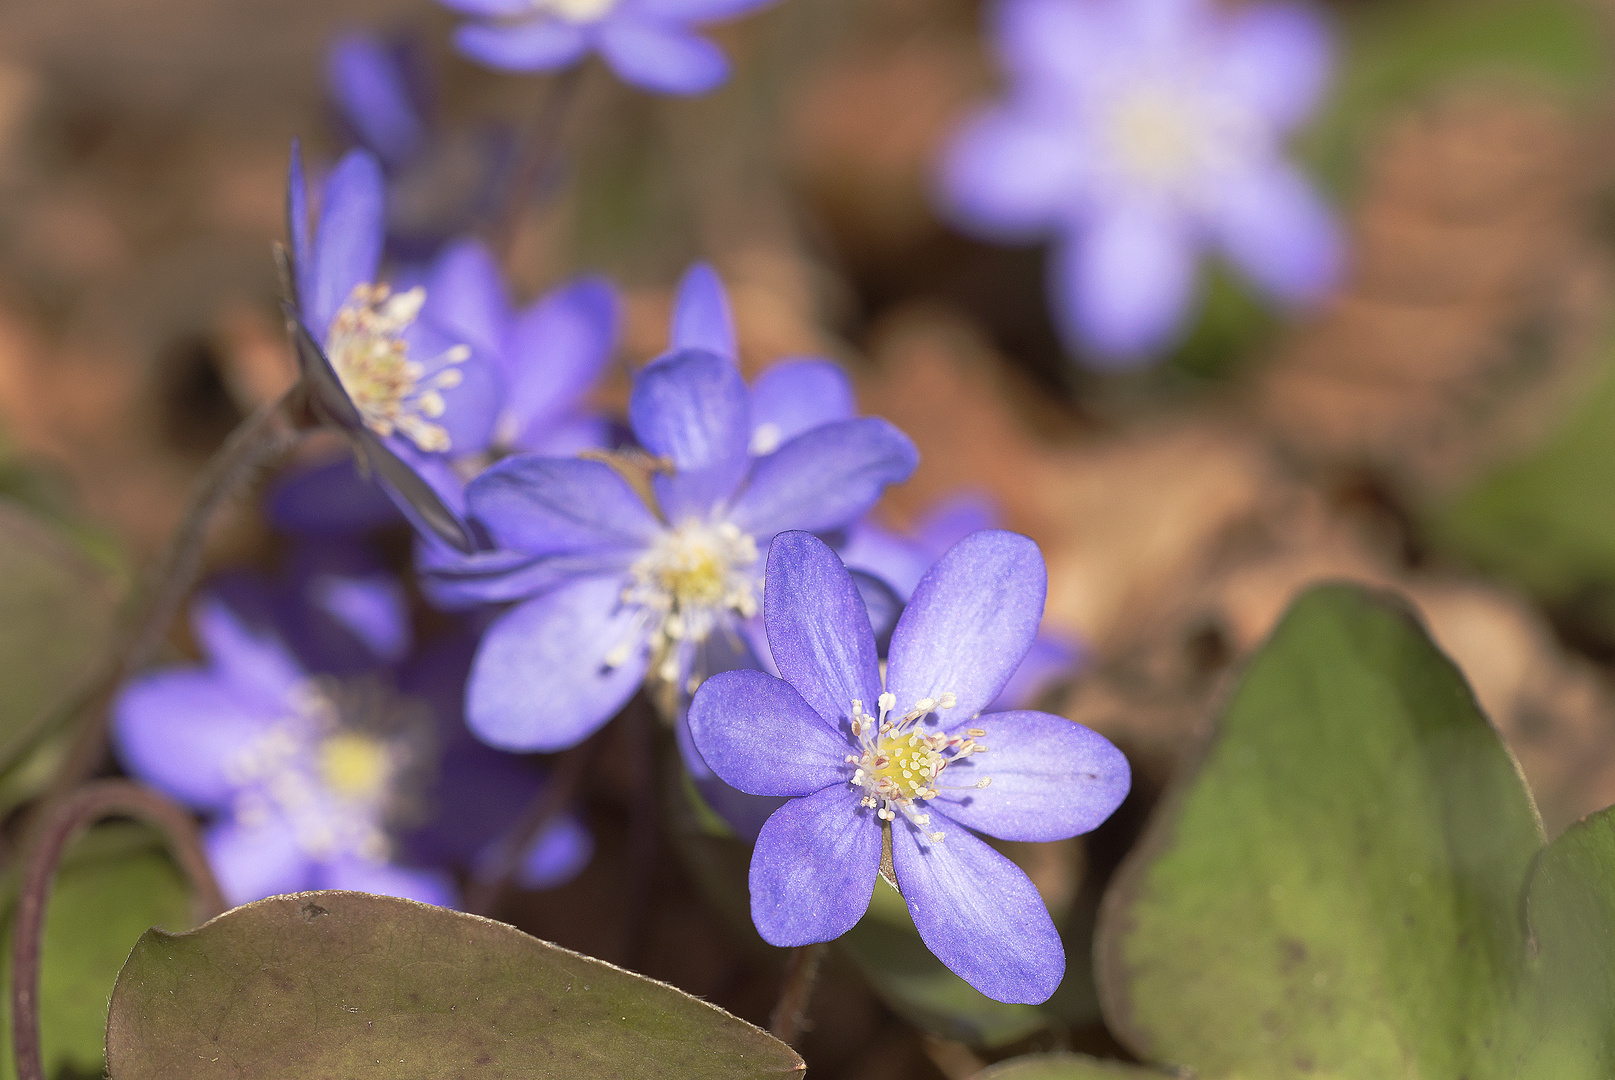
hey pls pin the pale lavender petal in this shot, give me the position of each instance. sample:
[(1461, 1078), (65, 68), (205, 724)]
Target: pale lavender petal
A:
[(1054, 44), (1276, 59), (384, 879), (491, 9), (372, 608), (1123, 284), (252, 862), (1277, 229), (250, 656), (544, 44), (566, 435), (744, 813), (471, 406), (697, 10), (757, 734), (347, 246), (661, 57), (559, 348), (465, 296), (701, 315), (818, 629), (1053, 656), (814, 867), (545, 505), (179, 730), (1050, 778), (970, 621), (955, 518), (297, 228), (794, 396), (542, 680), (978, 913), (692, 408), (366, 81), (826, 478), (1011, 173)]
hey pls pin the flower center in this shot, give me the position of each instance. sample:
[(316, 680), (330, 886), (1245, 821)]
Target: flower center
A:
[(900, 766), (575, 11), (342, 769), (392, 392), (1152, 135), (687, 582)]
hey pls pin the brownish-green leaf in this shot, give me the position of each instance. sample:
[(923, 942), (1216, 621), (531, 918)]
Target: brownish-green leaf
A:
[(1068, 1067), (336, 985)]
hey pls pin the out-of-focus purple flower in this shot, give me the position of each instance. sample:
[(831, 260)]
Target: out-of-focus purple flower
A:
[(614, 590), (368, 82), (901, 561), (650, 44), (379, 365), (913, 757), (547, 356), (327, 752), (1139, 133)]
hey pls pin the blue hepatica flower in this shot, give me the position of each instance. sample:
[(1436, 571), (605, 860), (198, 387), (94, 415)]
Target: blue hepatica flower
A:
[(378, 364), (328, 754), (547, 357), (1139, 133), (902, 560), (615, 589), (913, 758), (648, 43)]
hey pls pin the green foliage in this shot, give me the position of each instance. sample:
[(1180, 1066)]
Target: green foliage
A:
[(1338, 889), (1543, 521), (114, 885), (336, 984), (1067, 1067)]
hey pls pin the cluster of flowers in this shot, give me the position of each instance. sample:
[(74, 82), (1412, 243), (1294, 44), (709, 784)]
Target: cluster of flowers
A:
[(835, 689)]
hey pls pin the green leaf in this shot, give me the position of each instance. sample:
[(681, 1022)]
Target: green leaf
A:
[(1393, 54), (1544, 521), (887, 949), (1336, 891), (336, 984), (1067, 1067), (114, 885)]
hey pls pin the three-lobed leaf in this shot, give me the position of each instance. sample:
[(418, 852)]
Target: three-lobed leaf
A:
[(337, 984)]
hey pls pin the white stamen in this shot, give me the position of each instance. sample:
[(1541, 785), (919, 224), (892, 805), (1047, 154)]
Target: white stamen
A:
[(900, 763)]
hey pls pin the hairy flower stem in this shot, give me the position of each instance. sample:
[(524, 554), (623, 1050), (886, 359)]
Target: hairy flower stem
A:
[(256, 441), (59, 827), (536, 158), (801, 973), (487, 892)]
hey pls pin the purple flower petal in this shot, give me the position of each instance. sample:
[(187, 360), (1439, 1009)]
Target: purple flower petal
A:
[(366, 81), (385, 879), (955, 518), (422, 486), (826, 478), (472, 404), (1010, 174), (818, 629), (297, 226), (1123, 285), (347, 246), (978, 913), (701, 316), (1054, 44), (491, 9), (1276, 59), (970, 621), (455, 582), (894, 559), (1051, 778), (544, 44), (558, 349), (251, 657), (178, 730), (566, 435), (695, 11), (757, 734), (330, 500), (560, 505), (661, 57), (465, 296), (541, 680), (1053, 656), (692, 408), (252, 862), (372, 608), (1275, 228), (558, 855), (794, 396), (814, 867)]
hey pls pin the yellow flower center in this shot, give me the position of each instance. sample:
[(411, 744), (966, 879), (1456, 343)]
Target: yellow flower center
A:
[(900, 764), (355, 766), (576, 11), (1153, 136), (392, 392)]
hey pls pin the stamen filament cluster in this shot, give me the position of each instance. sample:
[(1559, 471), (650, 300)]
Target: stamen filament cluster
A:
[(900, 765)]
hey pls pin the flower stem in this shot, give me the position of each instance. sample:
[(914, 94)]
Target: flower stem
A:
[(537, 155), (255, 442), (61, 824), (801, 973)]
